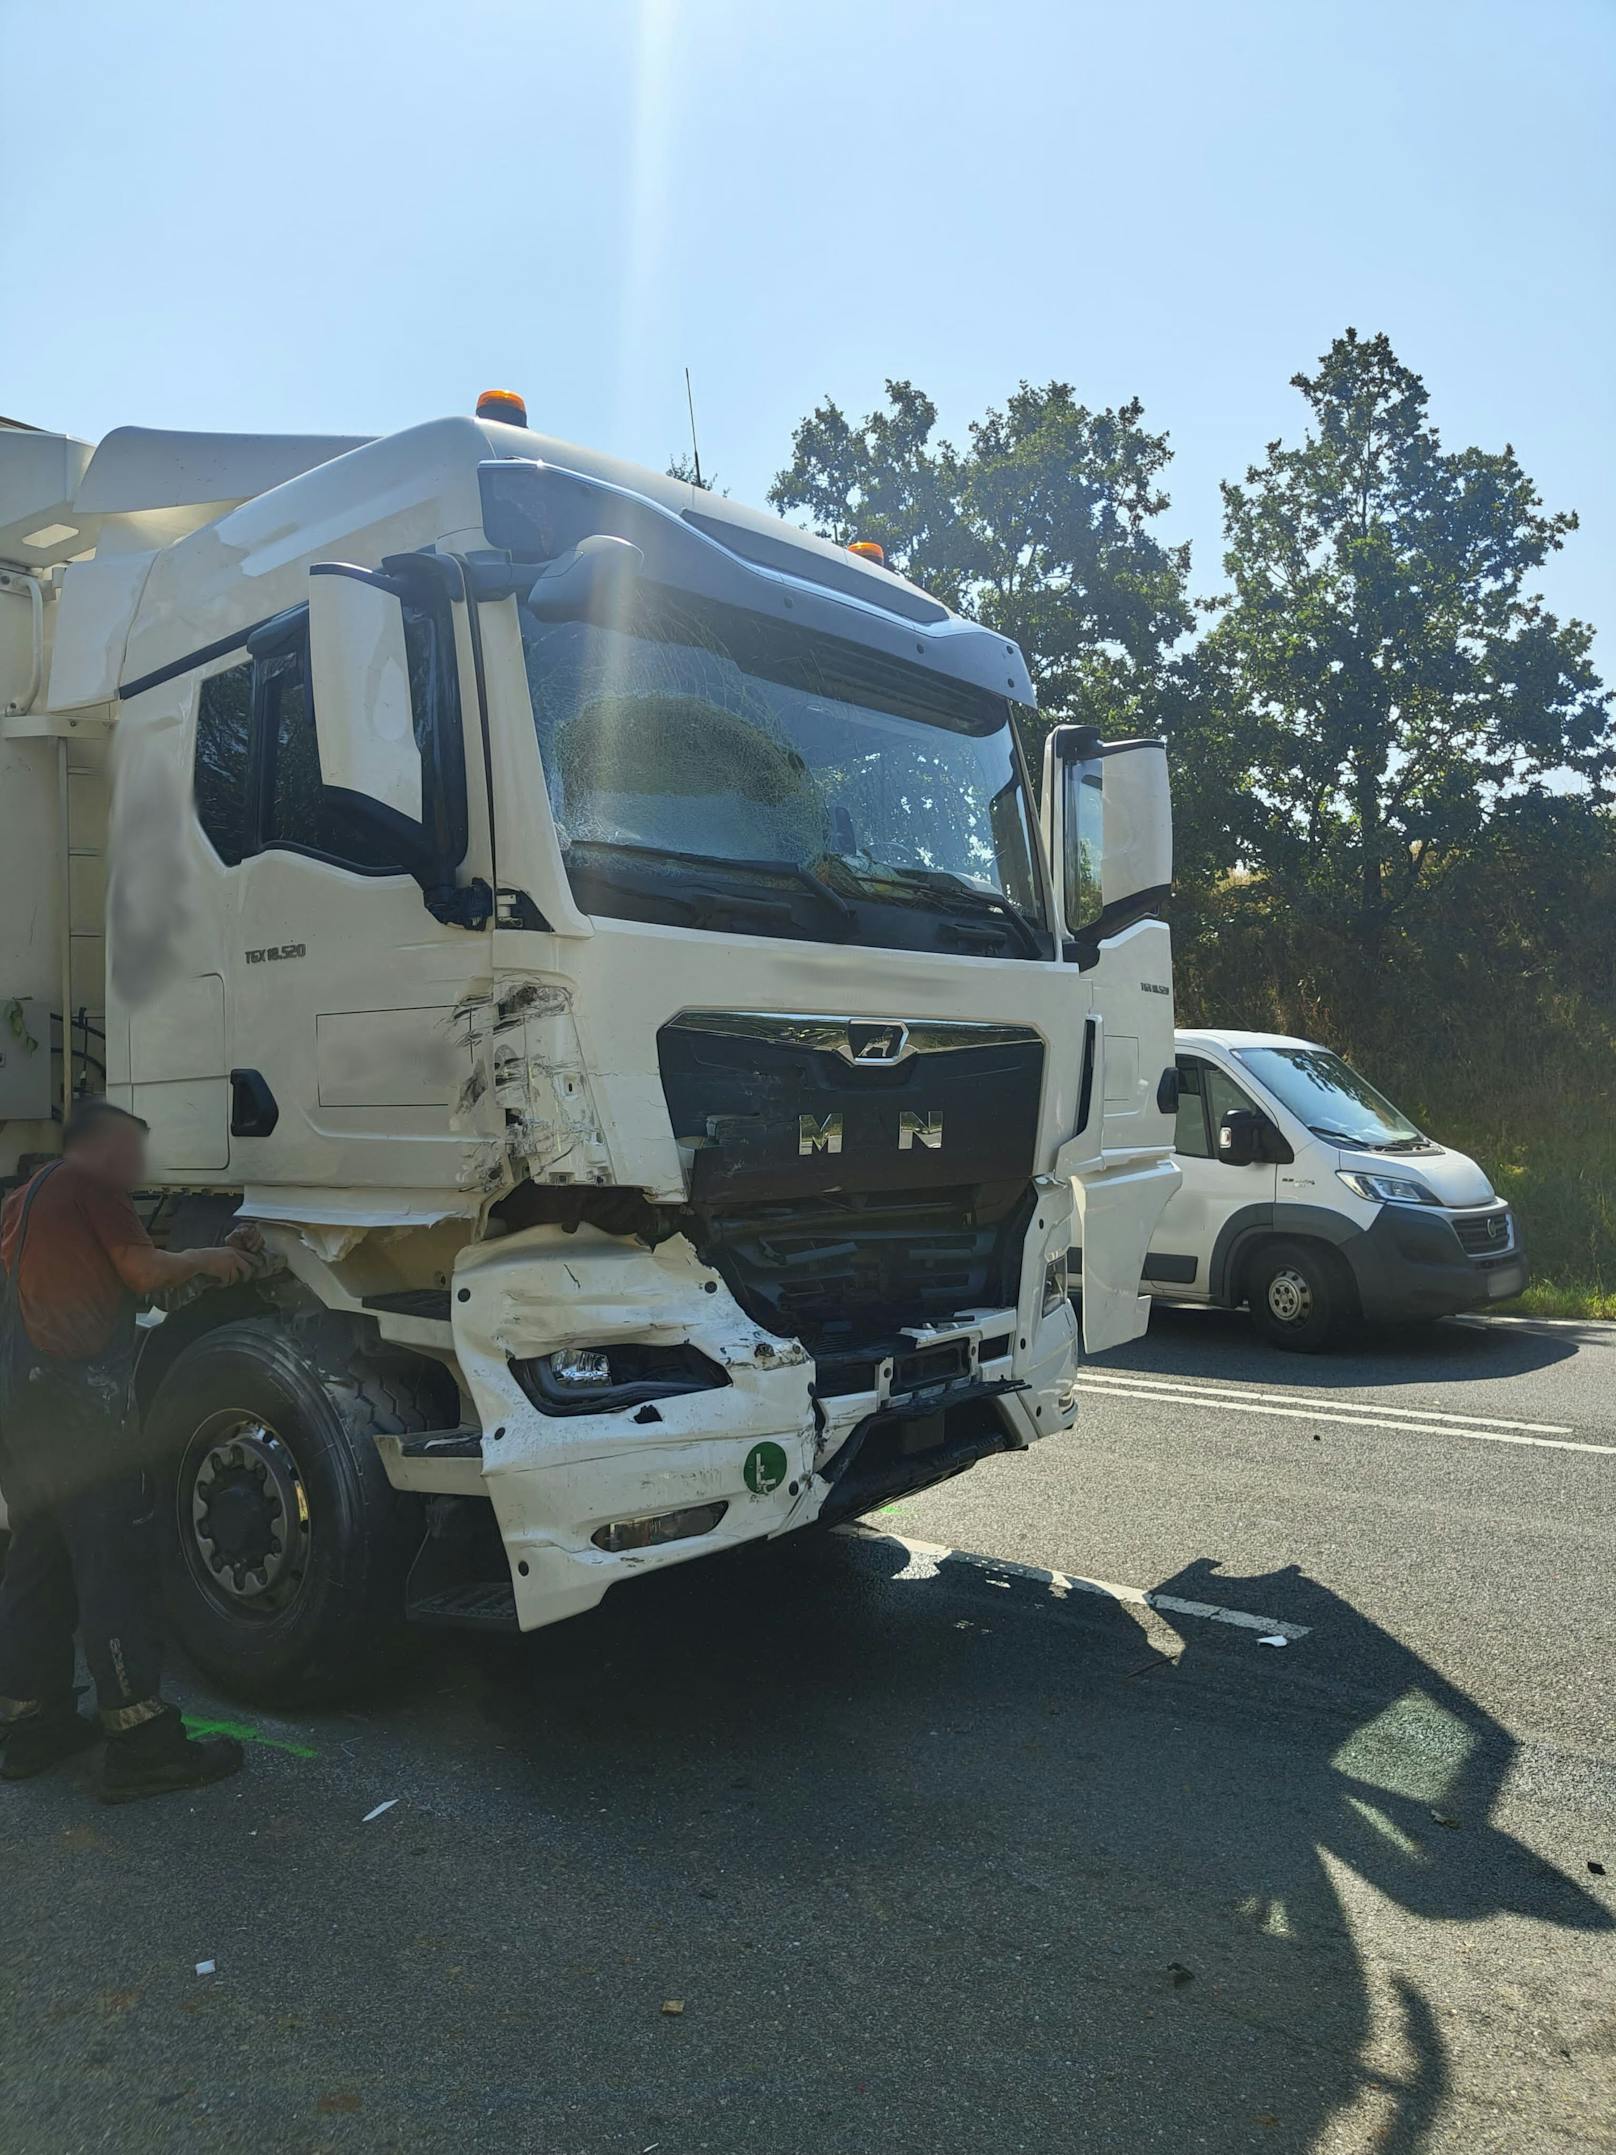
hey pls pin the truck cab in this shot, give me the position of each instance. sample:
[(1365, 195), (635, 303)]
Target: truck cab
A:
[(607, 939), (1309, 1198)]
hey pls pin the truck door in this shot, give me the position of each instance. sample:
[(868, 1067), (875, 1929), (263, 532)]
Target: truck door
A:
[(345, 1054), (1107, 826)]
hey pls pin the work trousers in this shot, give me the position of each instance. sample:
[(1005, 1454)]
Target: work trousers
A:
[(83, 1557)]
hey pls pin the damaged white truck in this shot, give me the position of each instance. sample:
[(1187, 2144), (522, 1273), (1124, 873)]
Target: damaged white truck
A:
[(605, 937)]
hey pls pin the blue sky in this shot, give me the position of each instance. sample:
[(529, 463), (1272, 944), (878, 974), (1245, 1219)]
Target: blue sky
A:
[(350, 215)]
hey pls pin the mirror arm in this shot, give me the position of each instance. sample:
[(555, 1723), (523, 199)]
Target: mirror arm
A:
[(459, 906)]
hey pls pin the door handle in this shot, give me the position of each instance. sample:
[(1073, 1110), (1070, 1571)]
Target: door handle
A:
[(254, 1110)]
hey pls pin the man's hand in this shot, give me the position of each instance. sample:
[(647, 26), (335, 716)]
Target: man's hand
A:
[(246, 1237), (224, 1265)]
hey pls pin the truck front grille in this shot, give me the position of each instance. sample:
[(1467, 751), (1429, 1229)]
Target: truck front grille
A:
[(845, 1273)]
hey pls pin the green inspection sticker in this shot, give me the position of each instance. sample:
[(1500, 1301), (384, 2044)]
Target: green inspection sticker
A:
[(765, 1469)]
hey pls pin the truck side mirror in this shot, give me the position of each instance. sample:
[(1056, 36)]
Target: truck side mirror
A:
[(364, 715), (590, 579), (1108, 830)]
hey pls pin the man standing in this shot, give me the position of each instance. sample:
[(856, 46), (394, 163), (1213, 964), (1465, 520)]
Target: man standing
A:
[(77, 1265)]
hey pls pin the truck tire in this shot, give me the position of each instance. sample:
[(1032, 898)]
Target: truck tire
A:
[(285, 1547), (1298, 1300)]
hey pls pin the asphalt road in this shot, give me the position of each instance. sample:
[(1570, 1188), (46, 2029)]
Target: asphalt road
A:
[(935, 1855)]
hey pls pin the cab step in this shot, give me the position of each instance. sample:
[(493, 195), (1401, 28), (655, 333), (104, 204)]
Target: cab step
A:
[(474, 1605)]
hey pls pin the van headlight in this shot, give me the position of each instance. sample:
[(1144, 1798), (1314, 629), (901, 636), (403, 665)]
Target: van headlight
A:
[(1056, 1285), (1387, 1189)]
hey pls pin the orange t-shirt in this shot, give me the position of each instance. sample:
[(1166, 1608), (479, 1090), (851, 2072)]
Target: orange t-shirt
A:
[(70, 1294)]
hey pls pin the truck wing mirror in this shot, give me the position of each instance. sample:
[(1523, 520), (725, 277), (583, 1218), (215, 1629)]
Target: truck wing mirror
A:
[(590, 580), (364, 712), (1108, 830)]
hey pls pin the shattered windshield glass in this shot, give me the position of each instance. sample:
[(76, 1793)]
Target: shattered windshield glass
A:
[(704, 730)]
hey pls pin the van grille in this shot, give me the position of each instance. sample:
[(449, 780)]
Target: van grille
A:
[(1485, 1234)]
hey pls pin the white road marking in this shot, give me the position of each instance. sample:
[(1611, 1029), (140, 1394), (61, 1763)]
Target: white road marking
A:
[(1344, 1412), (1061, 1583), (1206, 1386)]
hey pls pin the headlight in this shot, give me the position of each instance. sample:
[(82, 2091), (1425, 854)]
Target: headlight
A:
[(1387, 1189), (1055, 1283), (601, 1380)]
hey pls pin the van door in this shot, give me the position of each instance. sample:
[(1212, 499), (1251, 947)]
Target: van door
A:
[(1179, 1264)]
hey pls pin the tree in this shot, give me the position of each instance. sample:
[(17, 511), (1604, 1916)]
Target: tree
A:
[(682, 465), (1379, 679), (1041, 529)]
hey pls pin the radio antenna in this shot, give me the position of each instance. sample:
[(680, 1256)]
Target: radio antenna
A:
[(695, 452)]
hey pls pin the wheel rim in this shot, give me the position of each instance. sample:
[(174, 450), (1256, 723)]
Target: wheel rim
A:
[(1290, 1298), (243, 1516)]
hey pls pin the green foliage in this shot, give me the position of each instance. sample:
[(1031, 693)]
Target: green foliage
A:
[(1491, 1019), (1042, 528), (682, 466), (1372, 742), (1379, 678)]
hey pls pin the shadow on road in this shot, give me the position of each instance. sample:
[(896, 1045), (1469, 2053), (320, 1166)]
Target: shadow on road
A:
[(959, 1863), (1185, 1342), (928, 1859)]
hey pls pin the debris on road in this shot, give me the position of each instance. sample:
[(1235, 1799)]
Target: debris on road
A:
[(1180, 1974), (387, 1806), (1446, 1818), (673, 2005), (1598, 1869), (1273, 1638), (205, 1967)]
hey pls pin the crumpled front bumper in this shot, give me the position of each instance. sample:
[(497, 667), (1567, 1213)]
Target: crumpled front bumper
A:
[(760, 1443)]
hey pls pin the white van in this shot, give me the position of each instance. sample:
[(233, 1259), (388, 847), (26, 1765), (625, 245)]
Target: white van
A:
[(1307, 1196)]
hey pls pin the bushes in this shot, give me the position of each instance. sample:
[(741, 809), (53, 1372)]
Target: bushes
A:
[(1490, 1018)]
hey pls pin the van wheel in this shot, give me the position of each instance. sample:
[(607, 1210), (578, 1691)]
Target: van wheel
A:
[(285, 1546), (1296, 1298)]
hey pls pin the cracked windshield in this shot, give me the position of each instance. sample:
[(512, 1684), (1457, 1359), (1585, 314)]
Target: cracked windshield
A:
[(703, 730)]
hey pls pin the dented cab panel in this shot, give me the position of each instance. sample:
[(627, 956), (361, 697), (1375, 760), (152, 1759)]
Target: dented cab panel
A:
[(743, 1443)]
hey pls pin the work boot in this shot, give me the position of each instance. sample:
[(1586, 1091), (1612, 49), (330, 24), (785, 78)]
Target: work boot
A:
[(41, 1740), (158, 1757)]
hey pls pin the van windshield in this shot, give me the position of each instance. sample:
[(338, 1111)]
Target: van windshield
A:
[(1332, 1099)]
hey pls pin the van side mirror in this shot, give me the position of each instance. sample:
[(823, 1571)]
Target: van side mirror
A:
[(1246, 1135), (364, 711), (1108, 830)]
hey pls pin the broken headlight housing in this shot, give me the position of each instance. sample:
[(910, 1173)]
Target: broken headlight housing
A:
[(602, 1380)]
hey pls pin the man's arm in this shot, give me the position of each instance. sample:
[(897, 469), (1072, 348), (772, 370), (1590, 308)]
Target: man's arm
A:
[(147, 1271)]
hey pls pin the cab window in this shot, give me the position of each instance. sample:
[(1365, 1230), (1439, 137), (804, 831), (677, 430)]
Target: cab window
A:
[(220, 768), (1190, 1133), (1222, 1093)]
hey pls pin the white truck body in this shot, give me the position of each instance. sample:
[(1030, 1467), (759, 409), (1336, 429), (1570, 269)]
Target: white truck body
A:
[(706, 1194)]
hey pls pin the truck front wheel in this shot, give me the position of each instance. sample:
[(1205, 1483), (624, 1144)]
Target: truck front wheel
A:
[(285, 1546)]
